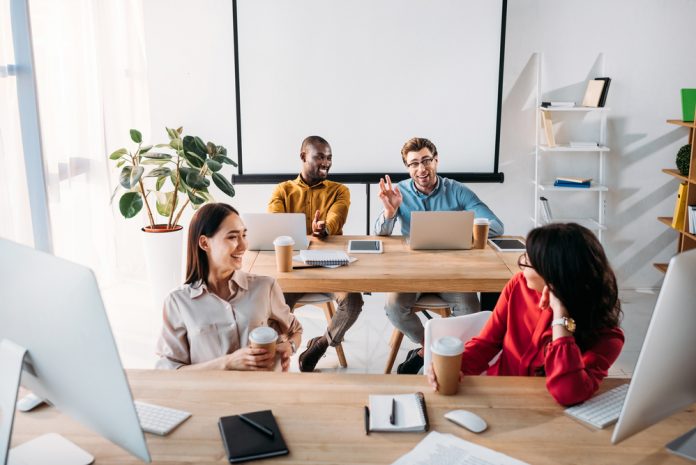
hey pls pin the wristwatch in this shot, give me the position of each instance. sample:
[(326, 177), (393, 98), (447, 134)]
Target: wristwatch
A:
[(292, 346), (568, 323)]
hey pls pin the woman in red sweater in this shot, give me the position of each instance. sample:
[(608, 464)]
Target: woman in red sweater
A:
[(559, 317)]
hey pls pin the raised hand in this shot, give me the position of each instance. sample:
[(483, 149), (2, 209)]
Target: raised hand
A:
[(390, 197), (319, 226)]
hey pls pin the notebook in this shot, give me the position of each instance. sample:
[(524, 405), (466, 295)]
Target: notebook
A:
[(324, 257), (410, 414), (243, 442)]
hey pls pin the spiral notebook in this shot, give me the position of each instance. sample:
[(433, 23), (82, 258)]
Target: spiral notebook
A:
[(324, 257), (409, 413)]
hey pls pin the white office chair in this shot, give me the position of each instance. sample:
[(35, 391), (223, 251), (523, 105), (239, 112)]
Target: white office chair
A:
[(464, 327), (324, 302)]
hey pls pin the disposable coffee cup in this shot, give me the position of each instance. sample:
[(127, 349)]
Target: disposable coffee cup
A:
[(447, 361), (264, 337), (481, 226), (283, 251)]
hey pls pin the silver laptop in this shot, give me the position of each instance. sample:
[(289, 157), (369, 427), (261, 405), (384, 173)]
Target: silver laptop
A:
[(263, 228), (441, 230)]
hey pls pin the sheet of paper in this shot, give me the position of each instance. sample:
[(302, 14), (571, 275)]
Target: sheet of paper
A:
[(447, 449)]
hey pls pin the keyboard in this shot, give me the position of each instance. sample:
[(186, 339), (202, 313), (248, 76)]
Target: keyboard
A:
[(600, 411), (157, 419)]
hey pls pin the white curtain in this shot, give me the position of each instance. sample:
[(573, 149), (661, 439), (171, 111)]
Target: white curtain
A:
[(92, 88), (15, 216)]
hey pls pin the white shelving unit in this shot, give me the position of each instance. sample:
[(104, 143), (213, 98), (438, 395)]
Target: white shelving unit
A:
[(596, 191)]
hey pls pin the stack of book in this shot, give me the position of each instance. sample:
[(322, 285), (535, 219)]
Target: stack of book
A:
[(573, 182)]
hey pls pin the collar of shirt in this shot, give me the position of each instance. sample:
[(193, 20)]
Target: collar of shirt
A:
[(301, 183), (240, 278), (421, 194)]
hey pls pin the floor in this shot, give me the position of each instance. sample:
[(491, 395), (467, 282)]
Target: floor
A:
[(136, 322)]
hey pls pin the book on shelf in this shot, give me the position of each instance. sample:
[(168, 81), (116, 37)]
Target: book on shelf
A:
[(593, 93), (547, 124), (397, 413), (572, 180), (557, 104), (679, 208), (582, 144), (580, 185), (324, 257), (692, 219), (545, 210), (605, 90)]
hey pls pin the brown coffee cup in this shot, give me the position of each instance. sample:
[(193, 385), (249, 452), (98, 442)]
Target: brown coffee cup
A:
[(264, 337), (283, 252), (481, 226), (447, 360)]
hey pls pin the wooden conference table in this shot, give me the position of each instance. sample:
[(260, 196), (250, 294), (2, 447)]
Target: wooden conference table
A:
[(321, 419), (398, 269)]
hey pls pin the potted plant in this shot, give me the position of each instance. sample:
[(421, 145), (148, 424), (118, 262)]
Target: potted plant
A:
[(170, 177)]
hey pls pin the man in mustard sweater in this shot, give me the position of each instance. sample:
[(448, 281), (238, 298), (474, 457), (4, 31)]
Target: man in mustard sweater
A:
[(325, 205)]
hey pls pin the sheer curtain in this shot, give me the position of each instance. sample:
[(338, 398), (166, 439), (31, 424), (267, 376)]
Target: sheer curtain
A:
[(15, 217), (92, 88)]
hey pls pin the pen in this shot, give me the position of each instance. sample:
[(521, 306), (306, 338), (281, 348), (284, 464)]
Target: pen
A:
[(367, 421), (392, 416), (257, 426)]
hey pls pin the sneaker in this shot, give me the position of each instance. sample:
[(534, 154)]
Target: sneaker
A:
[(316, 348), (412, 364)]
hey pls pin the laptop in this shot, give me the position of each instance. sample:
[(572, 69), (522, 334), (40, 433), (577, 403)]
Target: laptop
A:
[(441, 230), (263, 228)]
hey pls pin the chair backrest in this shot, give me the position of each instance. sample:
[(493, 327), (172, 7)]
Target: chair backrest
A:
[(464, 327)]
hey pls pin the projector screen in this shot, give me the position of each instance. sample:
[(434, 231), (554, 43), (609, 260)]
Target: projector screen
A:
[(367, 75)]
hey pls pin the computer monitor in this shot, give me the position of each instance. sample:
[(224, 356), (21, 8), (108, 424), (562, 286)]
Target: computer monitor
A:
[(52, 308), (664, 380)]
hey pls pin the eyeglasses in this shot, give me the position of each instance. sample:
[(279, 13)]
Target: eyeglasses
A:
[(522, 262), (426, 162)]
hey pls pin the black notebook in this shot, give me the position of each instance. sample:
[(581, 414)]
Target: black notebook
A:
[(244, 442)]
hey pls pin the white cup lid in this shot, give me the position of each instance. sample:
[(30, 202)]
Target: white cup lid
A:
[(283, 240), (263, 335), (448, 345), (482, 221)]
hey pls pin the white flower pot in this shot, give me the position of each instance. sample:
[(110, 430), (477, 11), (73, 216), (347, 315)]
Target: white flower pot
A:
[(164, 259)]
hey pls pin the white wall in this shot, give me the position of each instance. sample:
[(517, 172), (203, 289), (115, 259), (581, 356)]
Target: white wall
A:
[(646, 53)]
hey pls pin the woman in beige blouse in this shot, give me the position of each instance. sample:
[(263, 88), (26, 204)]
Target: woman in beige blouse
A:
[(208, 319)]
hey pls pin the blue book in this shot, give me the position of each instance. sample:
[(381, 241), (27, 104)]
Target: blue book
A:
[(582, 185)]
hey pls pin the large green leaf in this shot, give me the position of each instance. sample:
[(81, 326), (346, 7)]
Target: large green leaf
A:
[(130, 204), (223, 184), (118, 154), (213, 165), (125, 176), (120, 163), (136, 136), (224, 159), (197, 198), (173, 177), (145, 149), (157, 156), (157, 172), (136, 174), (154, 162), (165, 203), (211, 148), (176, 144), (195, 145), (193, 160), (197, 181)]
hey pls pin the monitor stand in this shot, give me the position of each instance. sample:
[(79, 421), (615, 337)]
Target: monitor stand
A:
[(684, 445), (45, 450)]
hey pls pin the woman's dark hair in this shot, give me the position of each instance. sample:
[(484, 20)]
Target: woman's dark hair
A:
[(573, 263), (205, 222)]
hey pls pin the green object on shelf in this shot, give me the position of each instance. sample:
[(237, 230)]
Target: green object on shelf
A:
[(688, 97), (684, 159)]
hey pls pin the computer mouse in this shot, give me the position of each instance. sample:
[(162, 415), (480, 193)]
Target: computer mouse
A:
[(468, 420), (29, 402)]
